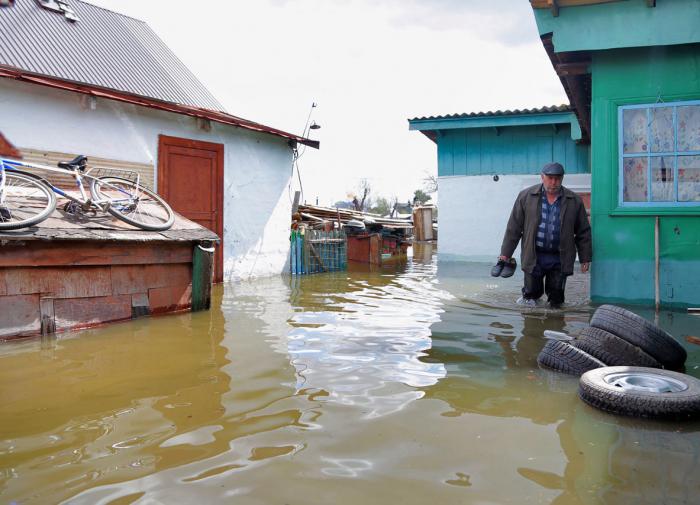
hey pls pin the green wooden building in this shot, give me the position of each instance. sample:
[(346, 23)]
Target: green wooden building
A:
[(631, 69)]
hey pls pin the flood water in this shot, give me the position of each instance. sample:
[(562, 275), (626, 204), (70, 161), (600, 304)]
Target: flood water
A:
[(413, 383)]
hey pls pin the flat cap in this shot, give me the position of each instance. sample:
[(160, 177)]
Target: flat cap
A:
[(553, 169)]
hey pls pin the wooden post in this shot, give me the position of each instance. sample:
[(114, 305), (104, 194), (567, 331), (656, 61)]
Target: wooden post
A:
[(48, 319), (295, 205), (657, 282), (139, 305), (202, 274)]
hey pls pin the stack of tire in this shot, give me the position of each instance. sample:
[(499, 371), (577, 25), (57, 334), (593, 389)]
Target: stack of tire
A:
[(627, 364)]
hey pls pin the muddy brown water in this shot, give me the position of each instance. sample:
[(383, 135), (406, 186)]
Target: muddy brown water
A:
[(413, 383)]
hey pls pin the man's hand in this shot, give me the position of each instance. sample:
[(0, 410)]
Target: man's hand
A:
[(503, 258), (585, 267)]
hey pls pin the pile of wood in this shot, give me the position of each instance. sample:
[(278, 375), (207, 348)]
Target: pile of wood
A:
[(315, 217)]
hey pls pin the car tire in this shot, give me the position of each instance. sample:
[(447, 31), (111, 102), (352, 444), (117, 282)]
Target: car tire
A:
[(612, 350), (564, 357), (638, 331), (642, 392)]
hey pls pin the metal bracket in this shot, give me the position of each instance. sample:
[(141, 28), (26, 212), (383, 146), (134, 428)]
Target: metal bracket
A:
[(60, 6)]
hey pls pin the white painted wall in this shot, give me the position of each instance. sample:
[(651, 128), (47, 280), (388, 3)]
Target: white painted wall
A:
[(474, 211), (257, 166)]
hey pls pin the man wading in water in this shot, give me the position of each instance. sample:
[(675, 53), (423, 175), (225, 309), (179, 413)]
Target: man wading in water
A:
[(551, 221)]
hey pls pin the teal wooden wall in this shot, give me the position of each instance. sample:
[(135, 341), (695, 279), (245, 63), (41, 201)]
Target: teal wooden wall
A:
[(509, 150)]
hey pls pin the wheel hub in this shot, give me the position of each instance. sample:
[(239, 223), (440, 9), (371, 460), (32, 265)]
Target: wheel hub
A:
[(645, 381)]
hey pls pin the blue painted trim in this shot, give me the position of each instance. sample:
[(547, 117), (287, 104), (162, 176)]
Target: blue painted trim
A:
[(498, 121), (649, 154)]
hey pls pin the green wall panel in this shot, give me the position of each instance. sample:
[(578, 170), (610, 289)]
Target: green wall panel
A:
[(623, 241)]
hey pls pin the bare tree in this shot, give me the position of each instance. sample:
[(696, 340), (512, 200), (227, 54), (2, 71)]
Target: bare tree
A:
[(430, 183), (365, 192)]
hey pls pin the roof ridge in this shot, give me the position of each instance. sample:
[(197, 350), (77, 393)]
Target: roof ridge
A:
[(507, 112), (110, 10)]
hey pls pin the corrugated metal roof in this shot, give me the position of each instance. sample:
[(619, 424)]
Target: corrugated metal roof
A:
[(104, 49), (514, 112)]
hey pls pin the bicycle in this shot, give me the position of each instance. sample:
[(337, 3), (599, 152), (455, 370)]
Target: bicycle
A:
[(27, 199)]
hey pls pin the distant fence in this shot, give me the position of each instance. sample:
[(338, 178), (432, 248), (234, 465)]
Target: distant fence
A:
[(314, 251)]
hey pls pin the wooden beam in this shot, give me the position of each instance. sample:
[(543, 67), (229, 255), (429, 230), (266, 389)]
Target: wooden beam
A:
[(318, 258), (547, 4), (554, 8), (202, 275), (70, 253), (574, 68), (295, 205), (48, 318)]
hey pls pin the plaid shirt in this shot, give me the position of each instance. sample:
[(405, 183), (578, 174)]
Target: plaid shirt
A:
[(548, 230)]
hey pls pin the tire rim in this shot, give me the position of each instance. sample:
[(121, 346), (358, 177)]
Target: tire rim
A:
[(645, 381)]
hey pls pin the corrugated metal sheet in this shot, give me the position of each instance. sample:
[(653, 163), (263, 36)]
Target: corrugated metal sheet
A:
[(514, 112), (104, 49)]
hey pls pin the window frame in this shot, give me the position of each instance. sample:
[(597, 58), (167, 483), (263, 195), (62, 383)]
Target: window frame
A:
[(649, 154)]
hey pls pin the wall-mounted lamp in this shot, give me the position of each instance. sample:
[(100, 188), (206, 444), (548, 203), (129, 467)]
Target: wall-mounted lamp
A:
[(88, 102)]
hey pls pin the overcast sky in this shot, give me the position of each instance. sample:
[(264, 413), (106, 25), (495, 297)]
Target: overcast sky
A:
[(369, 65)]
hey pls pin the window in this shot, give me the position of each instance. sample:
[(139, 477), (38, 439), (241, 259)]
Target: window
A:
[(660, 155)]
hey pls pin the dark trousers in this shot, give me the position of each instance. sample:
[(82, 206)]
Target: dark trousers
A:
[(546, 277)]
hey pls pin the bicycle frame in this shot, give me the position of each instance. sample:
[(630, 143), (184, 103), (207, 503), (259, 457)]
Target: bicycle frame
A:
[(7, 164)]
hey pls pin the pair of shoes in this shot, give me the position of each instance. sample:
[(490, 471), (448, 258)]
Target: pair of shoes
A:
[(498, 268), (504, 268), (509, 268)]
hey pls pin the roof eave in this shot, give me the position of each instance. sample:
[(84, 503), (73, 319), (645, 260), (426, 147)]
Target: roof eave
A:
[(430, 126), (88, 89), (573, 70)]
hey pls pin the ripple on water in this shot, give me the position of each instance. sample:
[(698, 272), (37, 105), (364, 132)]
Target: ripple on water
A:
[(376, 336)]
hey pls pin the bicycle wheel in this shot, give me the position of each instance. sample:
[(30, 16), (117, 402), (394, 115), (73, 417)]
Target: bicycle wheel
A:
[(133, 204), (24, 201)]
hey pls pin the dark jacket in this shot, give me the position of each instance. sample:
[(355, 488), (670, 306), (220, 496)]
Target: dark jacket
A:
[(575, 232)]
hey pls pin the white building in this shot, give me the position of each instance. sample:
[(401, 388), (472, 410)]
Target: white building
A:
[(485, 159), (106, 86)]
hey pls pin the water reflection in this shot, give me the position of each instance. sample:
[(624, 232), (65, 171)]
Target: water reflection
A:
[(101, 406), (360, 335), (492, 370), (409, 383)]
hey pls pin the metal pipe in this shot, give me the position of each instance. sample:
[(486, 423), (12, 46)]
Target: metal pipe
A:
[(657, 289)]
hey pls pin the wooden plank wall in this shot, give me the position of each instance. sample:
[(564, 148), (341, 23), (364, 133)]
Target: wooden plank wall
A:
[(509, 150), (81, 284), (51, 158)]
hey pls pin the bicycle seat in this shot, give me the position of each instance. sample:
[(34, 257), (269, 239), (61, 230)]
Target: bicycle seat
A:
[(78, 162)]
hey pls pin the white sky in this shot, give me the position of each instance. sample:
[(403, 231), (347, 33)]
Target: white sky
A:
[(368, 64)]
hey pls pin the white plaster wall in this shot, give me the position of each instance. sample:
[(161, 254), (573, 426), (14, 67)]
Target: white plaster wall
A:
[(257, 166), (474, 211)]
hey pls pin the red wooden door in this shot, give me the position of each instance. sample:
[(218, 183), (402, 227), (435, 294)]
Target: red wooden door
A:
[(191, 179)]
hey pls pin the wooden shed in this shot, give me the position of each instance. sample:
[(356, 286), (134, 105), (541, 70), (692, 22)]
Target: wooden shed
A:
[(69, 273)]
